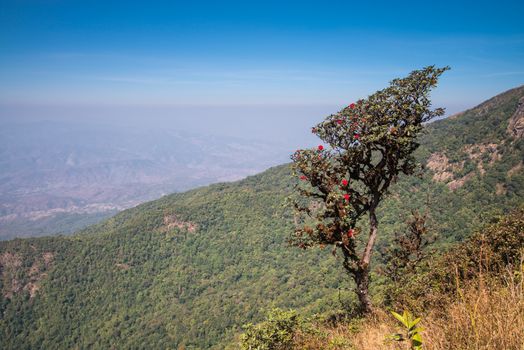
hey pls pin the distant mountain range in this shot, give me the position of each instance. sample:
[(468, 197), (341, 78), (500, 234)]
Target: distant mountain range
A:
[(187, 270), (60, 176)]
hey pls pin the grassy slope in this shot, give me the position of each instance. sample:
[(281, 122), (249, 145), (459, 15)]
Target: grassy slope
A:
[(473, 298)]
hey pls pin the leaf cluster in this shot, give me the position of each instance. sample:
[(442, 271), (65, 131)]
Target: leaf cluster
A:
[(412, 333)]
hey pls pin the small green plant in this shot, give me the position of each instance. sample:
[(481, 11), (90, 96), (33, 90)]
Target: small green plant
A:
[(411, 331)]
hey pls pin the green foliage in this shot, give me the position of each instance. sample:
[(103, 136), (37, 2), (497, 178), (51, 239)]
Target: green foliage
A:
[(412, 333), (275, 333), (491, 250), (494, 247)]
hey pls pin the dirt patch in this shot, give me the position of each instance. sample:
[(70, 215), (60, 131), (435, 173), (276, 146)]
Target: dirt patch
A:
[(455, 184), (16, 279), (10, 261), (516, 123), (34, 269), (32, 288), (516, 169), (443, 169), (48, 258), (500, 189), (476, 151), (444, 176), (477, 154), (123, 266), (438, 162), (171, 221), (9, 265)]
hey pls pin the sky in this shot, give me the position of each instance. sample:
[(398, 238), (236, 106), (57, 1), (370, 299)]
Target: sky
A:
[(281, 62)]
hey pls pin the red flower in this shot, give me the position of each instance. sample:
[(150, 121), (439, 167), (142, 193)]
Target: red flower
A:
[(352, 106), (346, 197), (344, 182), (303, 177), (351, 233), (320, 147), (339, 121), (357, 136)]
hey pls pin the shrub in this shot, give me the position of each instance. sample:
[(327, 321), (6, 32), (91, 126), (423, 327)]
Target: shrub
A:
[(276, 333), (489, 252)]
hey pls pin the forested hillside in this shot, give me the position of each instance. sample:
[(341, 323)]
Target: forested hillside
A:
[(191, 268)]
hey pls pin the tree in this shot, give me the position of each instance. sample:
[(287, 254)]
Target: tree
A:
[(371, 142), (405, 257), (407, 249)]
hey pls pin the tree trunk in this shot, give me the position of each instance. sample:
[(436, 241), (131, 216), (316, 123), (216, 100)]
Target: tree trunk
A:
[(361, 276)]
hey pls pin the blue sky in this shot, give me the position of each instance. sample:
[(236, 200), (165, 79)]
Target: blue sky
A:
[(251, 53)]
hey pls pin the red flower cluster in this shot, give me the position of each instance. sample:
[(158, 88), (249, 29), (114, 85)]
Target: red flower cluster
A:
[(351, 233), (347, 197), (339, 121), (345, 182), (357, 136), (320, 147), (352, 106), (303, 177)]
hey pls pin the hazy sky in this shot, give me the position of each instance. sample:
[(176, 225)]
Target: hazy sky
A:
[(61, 58)]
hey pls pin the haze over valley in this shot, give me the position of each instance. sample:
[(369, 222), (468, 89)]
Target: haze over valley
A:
[(58, 175)]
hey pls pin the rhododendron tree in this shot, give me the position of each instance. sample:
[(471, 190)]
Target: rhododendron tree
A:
[(371, 142)]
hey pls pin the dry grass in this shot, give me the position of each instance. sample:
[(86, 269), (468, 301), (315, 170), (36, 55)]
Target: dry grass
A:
[(483, 315), (374, 334), (327, 338), (371, 333)]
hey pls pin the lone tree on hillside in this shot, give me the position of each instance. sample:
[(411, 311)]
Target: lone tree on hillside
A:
[(371, 142)]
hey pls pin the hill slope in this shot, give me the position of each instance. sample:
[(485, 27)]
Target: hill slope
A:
[(189, 269)]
